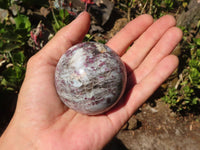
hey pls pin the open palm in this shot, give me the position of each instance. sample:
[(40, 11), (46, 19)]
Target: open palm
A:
[(43, 122)]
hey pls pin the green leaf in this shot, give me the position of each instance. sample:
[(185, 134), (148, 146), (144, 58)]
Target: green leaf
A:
[(198, 53), (4, 82), (9, 75), (63, 14), (197, 41), (195, 101), (19, 57), (194, 76), (193, 63), (22, 22), (14, 75), (18, 72), (8, 47), (10, 36)]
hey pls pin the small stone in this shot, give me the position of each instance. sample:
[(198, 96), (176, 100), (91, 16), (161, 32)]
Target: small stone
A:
[(90, 78), (132, 123), (3, 14)]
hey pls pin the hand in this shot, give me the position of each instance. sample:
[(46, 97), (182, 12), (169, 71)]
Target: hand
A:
[(41, 120)]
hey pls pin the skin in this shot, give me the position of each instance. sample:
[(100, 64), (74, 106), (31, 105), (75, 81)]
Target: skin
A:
[(42, 122)]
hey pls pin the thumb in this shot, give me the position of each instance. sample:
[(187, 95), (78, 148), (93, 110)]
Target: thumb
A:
[(65, 38)]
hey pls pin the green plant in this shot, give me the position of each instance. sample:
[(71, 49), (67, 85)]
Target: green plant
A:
[(60, 18), (156, 8), (14, 36), (13, 73), (171, 97), (13, 39), (186, 96)]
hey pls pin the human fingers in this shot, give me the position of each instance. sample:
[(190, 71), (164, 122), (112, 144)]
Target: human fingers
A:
[(141, 91), (142, 46), (125, 37), (163, 48), (145, 88)]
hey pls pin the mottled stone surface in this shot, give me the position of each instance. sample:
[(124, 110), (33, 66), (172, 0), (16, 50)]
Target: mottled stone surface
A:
[(90, 78)]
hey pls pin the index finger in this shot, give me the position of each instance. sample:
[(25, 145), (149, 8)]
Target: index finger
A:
[(127, 35)]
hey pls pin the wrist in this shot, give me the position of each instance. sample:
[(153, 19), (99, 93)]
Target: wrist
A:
[(14, 139)]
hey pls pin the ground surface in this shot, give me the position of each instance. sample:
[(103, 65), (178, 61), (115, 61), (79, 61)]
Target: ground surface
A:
[(158, 128)]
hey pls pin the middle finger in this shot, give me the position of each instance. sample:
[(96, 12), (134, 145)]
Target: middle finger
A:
[(142, 46)]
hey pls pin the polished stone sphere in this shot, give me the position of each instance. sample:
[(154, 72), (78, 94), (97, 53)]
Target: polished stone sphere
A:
[(90, 78)]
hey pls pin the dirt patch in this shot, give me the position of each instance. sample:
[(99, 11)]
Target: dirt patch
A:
[(158, 128)]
